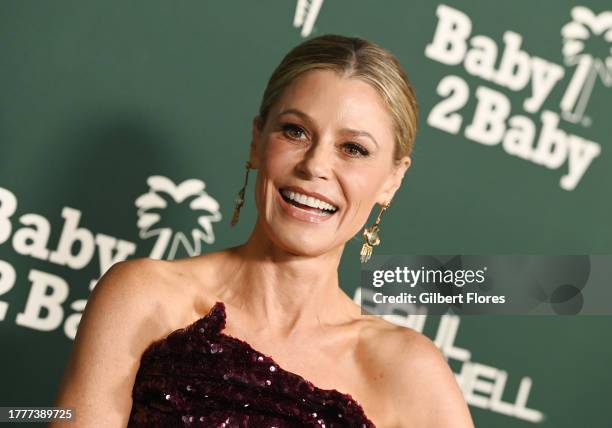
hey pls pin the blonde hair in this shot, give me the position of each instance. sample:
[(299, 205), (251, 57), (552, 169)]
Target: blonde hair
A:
[(352, 57)]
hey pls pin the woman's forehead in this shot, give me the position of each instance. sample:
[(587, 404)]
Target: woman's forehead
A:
[(325, 97)]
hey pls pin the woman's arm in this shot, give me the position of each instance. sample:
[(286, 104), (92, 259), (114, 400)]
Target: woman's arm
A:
[(113, 332)]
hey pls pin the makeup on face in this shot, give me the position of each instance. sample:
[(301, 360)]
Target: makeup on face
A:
[(307, 206)]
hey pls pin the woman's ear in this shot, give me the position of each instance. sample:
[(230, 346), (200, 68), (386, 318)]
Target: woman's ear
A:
[(394, 181), (256, 131)]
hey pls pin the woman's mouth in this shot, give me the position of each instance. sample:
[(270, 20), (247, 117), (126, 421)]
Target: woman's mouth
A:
[(306, 207)]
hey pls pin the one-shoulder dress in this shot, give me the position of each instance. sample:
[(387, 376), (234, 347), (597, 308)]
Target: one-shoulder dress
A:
[(198, 376)]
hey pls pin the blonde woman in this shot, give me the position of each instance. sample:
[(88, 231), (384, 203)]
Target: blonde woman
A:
[(262, 335)]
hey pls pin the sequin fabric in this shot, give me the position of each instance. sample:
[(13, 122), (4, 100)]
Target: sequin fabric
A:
[(198, 376)]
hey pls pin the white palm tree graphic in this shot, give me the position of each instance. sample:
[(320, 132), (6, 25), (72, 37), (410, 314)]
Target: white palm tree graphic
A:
[(165, 199), (306, 12), (584, 38)]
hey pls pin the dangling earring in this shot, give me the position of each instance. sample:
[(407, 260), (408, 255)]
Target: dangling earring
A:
[(371, 237), (239, 202)]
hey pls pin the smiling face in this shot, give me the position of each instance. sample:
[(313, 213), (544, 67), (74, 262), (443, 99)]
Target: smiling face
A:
[(324, 158)]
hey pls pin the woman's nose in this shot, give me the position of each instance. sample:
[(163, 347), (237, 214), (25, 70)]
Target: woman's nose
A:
[(316, 162)]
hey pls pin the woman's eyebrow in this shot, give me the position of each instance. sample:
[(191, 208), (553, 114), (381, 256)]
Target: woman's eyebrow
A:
[(297, 112), (357, 133), (353, 132)]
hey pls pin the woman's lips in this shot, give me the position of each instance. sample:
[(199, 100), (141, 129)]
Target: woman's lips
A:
[(312, 215), (315, 195)]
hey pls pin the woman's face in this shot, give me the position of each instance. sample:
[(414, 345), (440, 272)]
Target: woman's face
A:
[(324, 158)]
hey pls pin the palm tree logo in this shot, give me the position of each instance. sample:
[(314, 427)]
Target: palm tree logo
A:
[(162, 212), (306, 12), (587, 45)]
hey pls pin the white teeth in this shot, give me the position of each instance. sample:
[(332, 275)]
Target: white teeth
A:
[(308, 200)]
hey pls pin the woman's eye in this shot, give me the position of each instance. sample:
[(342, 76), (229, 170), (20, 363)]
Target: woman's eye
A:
[(293, 131), (356, 150)]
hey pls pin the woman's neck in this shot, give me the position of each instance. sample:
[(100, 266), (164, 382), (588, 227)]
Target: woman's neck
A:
[(283, 292)]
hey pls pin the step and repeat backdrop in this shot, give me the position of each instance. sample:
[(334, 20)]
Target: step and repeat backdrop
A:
[(106, 107)]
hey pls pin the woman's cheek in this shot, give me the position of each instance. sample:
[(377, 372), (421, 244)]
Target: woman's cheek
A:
[(360, 180), (279, 155)]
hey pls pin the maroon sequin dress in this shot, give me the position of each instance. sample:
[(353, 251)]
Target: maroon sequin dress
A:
[(199, 377)]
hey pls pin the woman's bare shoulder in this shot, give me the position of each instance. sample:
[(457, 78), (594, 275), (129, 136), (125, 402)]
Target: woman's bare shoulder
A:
[(414, 374), (179, 291), (143, 296), (125, 312), (146, 298), (391, 343), (143, 283), (169, 293)]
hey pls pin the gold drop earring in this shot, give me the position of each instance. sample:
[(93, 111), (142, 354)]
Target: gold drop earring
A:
[(371, 237), (239, 201)]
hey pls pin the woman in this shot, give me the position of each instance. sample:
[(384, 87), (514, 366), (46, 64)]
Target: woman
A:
[(178, 343)]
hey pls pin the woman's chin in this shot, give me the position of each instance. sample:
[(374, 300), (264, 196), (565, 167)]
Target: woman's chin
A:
[(305, 246)]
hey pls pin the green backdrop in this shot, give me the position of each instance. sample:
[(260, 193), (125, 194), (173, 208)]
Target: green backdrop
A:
[(97, 97)]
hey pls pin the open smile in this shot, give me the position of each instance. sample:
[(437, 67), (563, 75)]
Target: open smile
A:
[(306, 207)]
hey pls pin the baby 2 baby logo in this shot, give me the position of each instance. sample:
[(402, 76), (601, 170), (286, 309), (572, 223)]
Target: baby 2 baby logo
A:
[(586, 49), (28, 235)]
